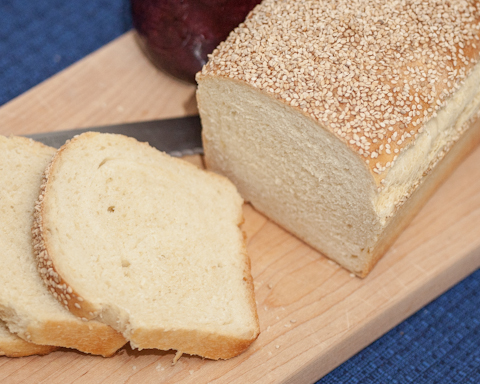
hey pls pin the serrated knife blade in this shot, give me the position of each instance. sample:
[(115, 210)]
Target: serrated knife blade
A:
[(178, 137)]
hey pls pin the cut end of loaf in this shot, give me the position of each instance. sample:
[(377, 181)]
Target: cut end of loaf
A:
[(300, 176)]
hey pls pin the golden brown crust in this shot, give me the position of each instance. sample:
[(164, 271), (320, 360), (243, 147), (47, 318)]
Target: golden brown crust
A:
[(248, 279), (18, 347), (373, 79), (209, 345), (236, 346), (90, 337)]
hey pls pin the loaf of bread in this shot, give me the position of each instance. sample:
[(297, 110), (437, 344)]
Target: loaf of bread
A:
[(13, 346), (338, 119), (27, 307), (148, 244)]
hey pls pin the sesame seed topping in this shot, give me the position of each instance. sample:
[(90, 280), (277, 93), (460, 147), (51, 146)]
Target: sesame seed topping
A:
[(371, 71)]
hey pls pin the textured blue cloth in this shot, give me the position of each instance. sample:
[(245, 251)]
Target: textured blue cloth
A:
[(40, 38), (439, 344)]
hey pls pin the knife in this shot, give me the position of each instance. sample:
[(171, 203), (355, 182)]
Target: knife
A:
[(178, 137)]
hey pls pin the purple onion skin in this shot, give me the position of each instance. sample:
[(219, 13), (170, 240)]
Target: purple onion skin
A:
[(177, 35)]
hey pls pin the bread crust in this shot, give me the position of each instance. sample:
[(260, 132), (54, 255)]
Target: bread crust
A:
[(90, 337), (22, 348), (193, 342), (13, 346)]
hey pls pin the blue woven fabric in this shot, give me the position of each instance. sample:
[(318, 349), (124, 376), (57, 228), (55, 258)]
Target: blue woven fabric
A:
[(439, 344), (40, 38)]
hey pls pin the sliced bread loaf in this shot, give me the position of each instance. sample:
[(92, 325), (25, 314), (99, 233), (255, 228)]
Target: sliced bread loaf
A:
[(148, 244), (13, 346), (338, 119), (26, 305)]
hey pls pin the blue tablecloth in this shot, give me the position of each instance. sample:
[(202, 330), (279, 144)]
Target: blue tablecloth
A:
[(439, 344)]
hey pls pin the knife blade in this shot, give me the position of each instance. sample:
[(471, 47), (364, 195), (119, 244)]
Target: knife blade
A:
[(178, 137)]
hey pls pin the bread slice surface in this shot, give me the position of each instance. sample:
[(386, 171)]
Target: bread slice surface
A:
[(148, 244), (26, 305)]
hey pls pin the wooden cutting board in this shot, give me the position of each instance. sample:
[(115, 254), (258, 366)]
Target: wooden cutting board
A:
[(313, 314)]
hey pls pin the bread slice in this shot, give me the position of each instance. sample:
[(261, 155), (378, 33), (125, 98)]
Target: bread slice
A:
[(338, 119), (13, 346), (26, 305), (148, 244)]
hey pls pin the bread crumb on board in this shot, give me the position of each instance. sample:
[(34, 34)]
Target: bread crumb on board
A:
[(177, 357)]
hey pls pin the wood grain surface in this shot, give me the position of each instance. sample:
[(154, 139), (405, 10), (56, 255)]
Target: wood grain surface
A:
[(313, 314)]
